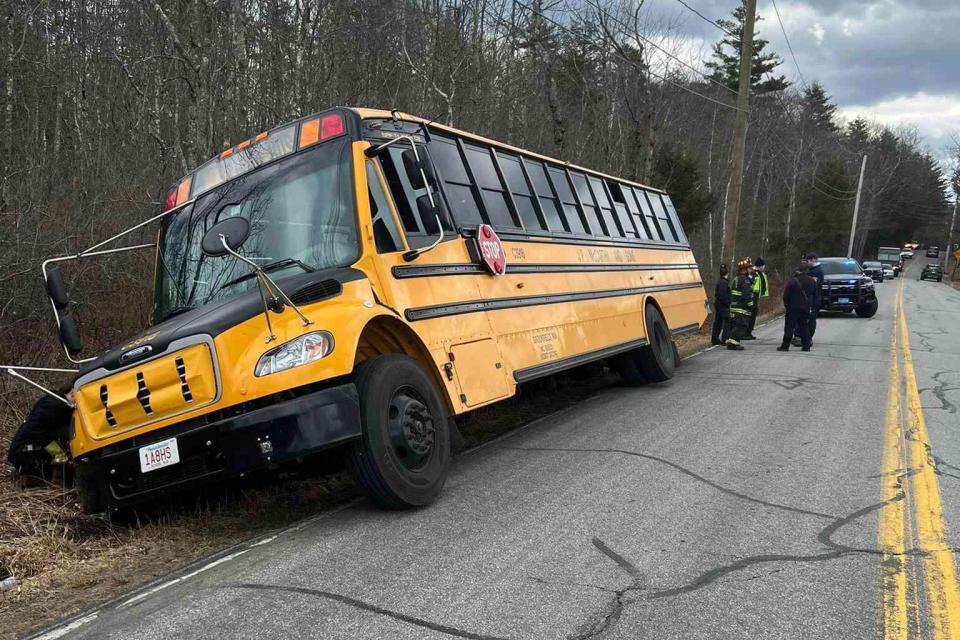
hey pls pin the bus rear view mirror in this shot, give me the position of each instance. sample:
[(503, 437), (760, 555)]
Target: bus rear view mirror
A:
[(232, 232), (417, 170), (57, 289), (70, 335)]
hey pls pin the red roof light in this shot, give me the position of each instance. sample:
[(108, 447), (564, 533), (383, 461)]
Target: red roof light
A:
[(330, 126)]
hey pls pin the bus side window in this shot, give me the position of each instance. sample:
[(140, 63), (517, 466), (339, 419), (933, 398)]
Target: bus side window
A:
[(653, 227), (674, 219), (571, 213), (620, 206), (635, 214), (457, 186), (385, 232), (669, 233), (491, 189)]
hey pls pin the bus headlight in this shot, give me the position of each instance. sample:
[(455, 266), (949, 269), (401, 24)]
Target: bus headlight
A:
[(303, 350)]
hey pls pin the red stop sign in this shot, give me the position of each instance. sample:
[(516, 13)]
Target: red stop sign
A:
[(491, 250)]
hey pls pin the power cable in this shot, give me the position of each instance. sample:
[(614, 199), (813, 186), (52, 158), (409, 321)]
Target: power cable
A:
[(623, 26), (708, 20), (633, 62), (789, 46)]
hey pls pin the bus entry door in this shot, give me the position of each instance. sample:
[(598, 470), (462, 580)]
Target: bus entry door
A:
[(480, 374)]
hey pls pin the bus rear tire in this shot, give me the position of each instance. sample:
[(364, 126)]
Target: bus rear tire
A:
[(627, 366), (403, 457), (658, 359)]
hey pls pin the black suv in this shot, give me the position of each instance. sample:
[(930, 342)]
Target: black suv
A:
[(933, 252), (874, 270), (847, 288), (932, 271)]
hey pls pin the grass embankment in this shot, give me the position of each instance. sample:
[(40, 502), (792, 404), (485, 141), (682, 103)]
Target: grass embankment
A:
[(64, 560)]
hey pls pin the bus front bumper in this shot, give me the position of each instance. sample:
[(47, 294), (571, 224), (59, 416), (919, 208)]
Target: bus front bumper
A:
[(230, 447)]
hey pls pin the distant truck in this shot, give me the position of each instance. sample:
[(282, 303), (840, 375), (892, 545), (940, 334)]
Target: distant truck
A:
[(890, 256)]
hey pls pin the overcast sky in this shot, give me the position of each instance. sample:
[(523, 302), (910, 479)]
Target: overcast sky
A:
[(892, 61)]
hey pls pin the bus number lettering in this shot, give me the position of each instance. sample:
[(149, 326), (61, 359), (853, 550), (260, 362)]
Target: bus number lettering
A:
[(546, 344), (518, 253)]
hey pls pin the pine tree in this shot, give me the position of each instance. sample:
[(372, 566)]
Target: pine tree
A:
[(676, 171), (725, 65), (818, 108), (858, 131)]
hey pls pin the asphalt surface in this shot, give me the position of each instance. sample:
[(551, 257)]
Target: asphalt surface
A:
[(740, 500)]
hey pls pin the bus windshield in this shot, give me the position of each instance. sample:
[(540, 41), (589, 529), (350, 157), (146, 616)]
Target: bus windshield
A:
[(301, 215)]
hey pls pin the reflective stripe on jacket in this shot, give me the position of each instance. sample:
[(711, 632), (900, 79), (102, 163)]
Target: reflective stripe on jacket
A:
[(741, 296)]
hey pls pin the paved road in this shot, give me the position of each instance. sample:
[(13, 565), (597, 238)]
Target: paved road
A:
[(757, 495)]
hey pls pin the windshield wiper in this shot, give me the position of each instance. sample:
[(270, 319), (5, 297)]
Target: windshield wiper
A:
[(273, 266)]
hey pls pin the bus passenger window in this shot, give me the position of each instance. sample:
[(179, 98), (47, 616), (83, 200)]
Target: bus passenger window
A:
[(606, 209), (653, 227), (517, 183), (385, 232), (456, 182), (674, 219), (571, 212), (669, 233), (620, 207), (634, 209), (491, 190), (594, 220), (548, 201)]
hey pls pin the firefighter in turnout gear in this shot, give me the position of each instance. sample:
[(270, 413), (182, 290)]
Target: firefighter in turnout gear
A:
[(741, 305)]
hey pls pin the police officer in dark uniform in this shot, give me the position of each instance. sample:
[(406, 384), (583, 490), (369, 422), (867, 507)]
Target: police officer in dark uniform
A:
[(815, 271), (721, 308), (798, 294)]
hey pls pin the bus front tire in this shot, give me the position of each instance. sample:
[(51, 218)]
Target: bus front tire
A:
[(403, 457), (658, 359)]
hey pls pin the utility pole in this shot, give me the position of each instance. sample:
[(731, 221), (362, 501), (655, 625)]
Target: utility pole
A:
[(732, 204), (856, 207), (953, 219)]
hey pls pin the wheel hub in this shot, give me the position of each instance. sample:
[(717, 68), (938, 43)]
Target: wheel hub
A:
[(412, 429)]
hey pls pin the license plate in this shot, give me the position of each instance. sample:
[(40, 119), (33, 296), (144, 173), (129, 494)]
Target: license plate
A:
[(844, 301), (159, 455)]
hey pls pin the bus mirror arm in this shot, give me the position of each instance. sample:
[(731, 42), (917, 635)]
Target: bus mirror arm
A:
[(267, 287)]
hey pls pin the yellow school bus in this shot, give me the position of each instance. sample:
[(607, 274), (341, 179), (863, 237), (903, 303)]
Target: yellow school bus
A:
[(356, 279)]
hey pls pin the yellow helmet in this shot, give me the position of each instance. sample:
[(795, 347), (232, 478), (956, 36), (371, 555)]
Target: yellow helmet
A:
[(744, 263)]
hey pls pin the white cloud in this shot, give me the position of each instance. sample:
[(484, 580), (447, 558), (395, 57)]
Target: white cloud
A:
[(936, 117), (818, 32)]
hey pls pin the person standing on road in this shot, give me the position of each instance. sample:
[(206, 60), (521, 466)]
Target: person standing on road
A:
[(761, 289), (741, 305), (798, 293), (721, 308), (812, 261)]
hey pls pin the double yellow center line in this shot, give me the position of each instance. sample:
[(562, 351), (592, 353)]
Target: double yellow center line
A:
[(912, 529)]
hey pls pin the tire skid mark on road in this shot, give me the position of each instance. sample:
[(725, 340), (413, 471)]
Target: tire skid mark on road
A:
[(686, 472), (372, 608)]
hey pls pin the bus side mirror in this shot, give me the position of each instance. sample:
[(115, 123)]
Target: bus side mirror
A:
[(413, 167), (232, 231), (57, 289), (70, 335)]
